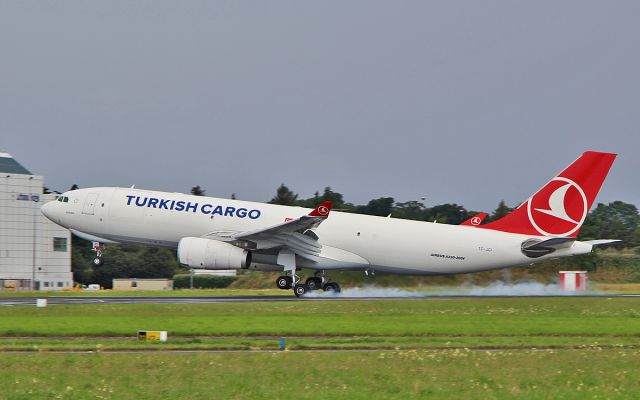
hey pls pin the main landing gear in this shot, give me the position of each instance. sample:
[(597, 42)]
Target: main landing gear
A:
[(97, 260), (289, 280), (284, 282), (317, 282)]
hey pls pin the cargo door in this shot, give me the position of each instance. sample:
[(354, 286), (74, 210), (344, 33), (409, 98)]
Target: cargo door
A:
[(90, 203)]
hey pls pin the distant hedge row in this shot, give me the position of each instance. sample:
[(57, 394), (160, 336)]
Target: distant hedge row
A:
[(202, 281)]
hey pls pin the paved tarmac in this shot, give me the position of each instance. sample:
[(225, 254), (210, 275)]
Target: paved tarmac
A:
[(72, 300)]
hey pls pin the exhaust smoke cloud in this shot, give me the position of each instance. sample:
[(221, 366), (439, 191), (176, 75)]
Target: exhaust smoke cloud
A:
[(497, 288)]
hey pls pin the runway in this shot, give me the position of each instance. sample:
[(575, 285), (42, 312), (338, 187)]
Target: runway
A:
[(77, 300)]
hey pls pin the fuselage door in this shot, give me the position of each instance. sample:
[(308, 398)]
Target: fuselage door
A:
[(90, 203)]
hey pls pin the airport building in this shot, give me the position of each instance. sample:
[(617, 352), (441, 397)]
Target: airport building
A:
[(35, 253), (142, 284)]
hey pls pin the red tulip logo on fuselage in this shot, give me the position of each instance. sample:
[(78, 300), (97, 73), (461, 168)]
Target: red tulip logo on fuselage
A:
[(559, 209)]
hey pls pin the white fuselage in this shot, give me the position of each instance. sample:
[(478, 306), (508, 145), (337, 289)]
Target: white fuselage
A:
[(349, 241)]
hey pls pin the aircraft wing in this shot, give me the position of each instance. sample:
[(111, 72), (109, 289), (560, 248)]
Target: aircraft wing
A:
[(295, 234)]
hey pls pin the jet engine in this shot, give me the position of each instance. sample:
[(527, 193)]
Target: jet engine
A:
[(202, 253)]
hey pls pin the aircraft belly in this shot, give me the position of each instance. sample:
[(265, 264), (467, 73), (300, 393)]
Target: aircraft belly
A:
[(395, 247), (336, 258)]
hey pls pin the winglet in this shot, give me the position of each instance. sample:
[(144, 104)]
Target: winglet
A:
[(476, 219), (322, 210)]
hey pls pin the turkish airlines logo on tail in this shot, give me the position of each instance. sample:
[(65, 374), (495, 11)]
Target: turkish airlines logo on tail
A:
[(476, 221), (559, 209), (322, 210)]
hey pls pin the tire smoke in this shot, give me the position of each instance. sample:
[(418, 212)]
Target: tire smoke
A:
[(497, 288)]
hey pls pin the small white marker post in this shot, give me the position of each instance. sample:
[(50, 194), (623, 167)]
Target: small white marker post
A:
[(41, 302)]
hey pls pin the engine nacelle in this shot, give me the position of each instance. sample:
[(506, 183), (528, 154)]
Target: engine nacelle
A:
[(202, 253)]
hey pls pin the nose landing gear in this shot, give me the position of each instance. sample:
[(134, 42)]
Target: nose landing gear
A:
[(98, 260)]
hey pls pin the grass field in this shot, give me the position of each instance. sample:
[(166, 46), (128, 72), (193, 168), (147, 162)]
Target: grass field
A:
[(450, 374), (606, 317), (424, 348)]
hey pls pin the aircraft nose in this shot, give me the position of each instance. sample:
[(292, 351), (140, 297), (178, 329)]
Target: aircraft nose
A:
[(47, 209)]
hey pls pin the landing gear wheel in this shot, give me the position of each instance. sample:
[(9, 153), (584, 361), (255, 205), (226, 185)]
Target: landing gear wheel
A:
[(284, 282), (332, 287), (314, 283), (97, 262), (300, 290)]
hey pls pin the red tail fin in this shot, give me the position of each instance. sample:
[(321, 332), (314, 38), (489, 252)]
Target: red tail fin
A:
[(560, 207)]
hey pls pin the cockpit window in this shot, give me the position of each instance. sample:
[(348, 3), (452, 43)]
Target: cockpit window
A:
[(63, 199)]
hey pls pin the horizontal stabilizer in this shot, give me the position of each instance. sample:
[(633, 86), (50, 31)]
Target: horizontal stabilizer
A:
[(602, 242), (555, 243)]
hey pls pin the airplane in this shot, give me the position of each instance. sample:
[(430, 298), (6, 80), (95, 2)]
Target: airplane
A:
[(214, 233)]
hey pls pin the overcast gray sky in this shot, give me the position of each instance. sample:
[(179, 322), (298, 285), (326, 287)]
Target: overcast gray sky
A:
[(456, 101)]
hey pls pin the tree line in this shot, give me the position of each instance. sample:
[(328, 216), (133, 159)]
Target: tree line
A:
[(616, 220)]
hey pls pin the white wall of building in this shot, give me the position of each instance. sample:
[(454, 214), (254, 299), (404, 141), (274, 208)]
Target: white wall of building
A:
[(31, 246)]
